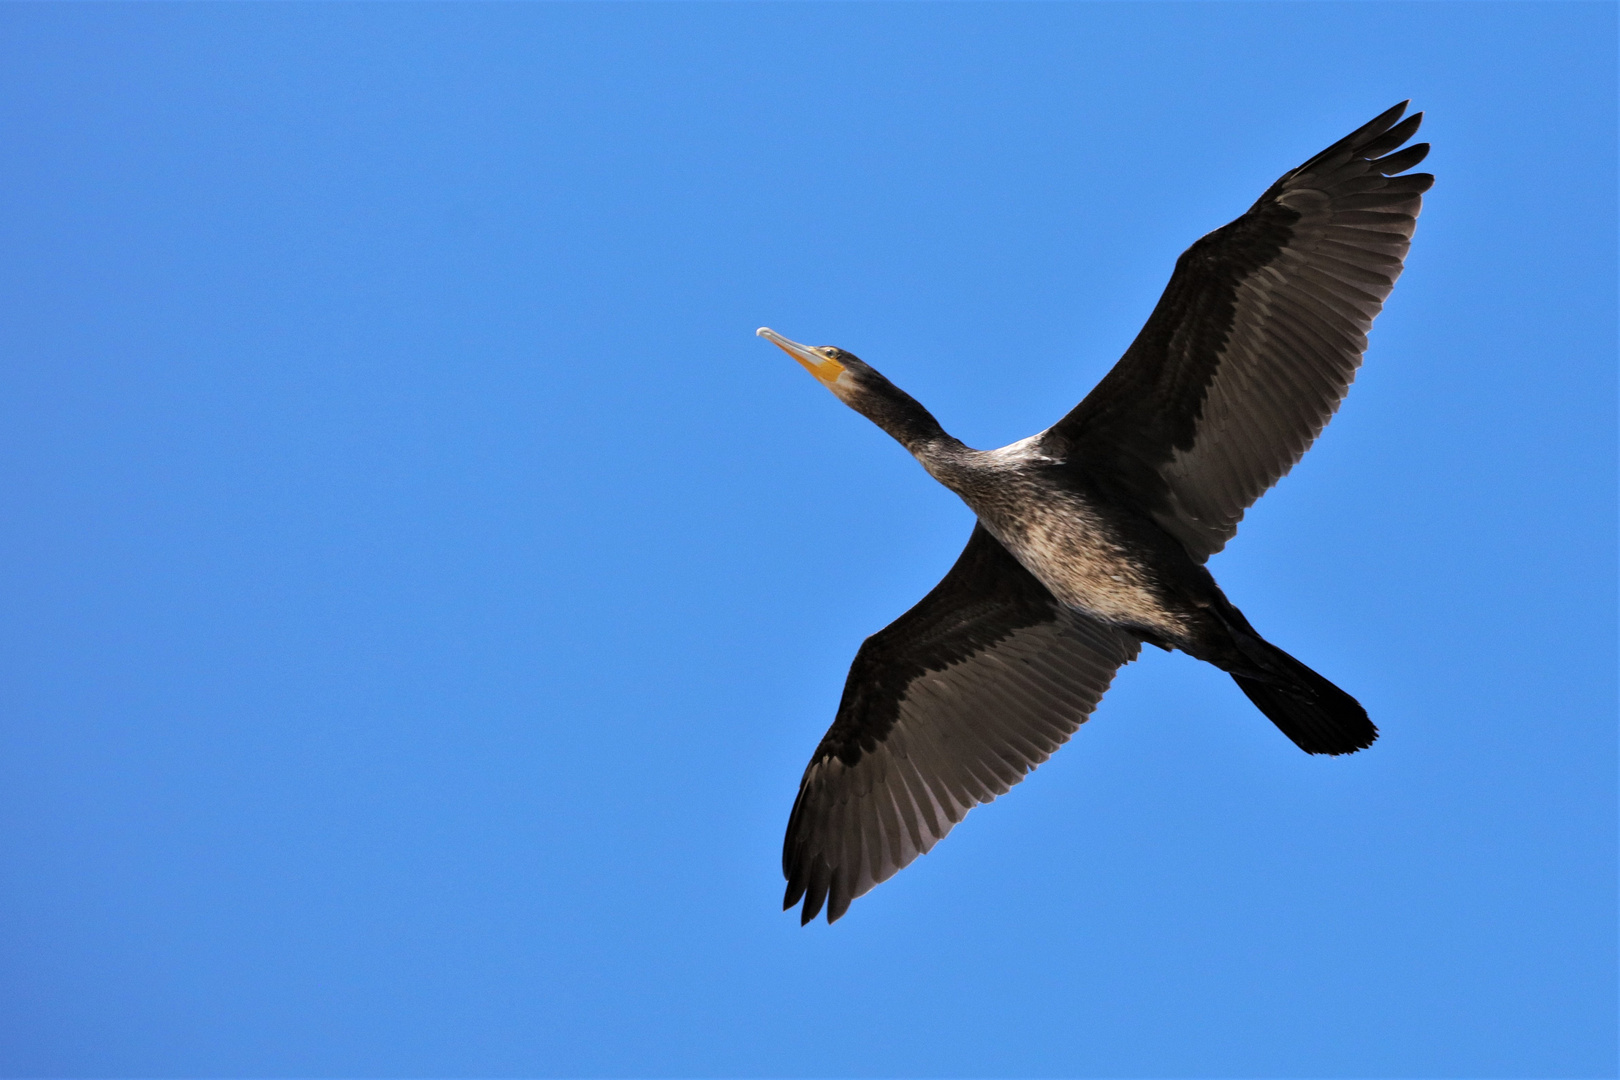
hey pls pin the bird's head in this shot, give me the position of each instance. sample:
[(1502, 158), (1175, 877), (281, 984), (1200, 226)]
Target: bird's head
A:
[(841, 372), (859, 385)]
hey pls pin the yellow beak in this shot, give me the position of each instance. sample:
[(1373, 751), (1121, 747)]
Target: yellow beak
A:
[(826, 371)]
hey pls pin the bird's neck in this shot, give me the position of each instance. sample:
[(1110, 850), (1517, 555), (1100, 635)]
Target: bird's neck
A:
[(904, 418)]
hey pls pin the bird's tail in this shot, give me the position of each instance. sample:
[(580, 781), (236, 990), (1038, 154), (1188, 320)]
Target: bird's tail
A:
[(1318, 716)]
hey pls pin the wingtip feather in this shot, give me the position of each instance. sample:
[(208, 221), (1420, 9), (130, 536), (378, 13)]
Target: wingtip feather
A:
[(1401, 160)]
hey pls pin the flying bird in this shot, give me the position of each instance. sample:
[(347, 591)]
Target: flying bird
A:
[(1092, 535)]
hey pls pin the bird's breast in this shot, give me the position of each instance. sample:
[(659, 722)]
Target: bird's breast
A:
[(1069, 545)]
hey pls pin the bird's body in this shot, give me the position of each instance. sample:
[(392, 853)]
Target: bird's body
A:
[(1092, 557), (1092, 535)]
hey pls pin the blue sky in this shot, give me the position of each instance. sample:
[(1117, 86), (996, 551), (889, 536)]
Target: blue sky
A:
[(422, 591)]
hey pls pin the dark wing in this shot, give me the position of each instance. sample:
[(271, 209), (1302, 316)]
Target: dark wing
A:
[(1254, 342), (945, 708)]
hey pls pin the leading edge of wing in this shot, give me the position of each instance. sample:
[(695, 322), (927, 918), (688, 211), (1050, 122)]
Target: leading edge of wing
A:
[(946, 708)]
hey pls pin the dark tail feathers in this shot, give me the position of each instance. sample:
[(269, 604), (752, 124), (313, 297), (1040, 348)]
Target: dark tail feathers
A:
[(1318, 716)]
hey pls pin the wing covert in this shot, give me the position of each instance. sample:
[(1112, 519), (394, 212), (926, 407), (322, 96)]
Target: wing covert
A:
[(946, 708), (1255, 340)]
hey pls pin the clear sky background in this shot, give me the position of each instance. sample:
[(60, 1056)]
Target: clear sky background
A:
[(422, 592)]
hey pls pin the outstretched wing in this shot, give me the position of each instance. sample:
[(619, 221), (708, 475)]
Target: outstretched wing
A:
[(945, 708), (1254, 342)]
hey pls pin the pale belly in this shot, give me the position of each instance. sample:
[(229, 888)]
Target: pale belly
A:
[(1076, 557)]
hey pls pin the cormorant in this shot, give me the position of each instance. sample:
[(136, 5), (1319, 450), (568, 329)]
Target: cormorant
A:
[(1092, 535)]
